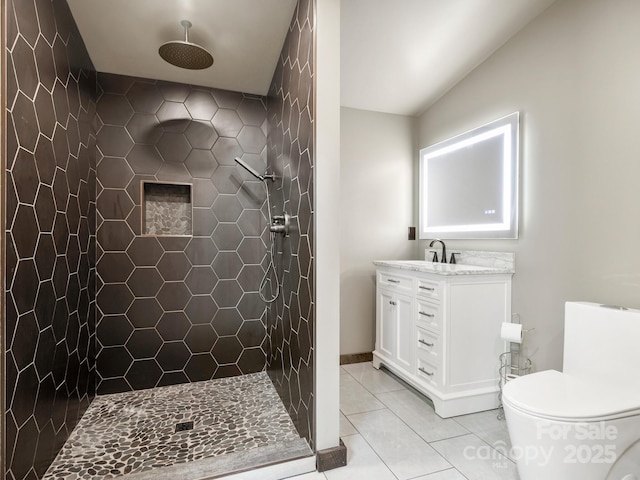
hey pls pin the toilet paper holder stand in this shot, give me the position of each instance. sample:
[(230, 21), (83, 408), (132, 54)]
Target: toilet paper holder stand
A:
[(513, 364)]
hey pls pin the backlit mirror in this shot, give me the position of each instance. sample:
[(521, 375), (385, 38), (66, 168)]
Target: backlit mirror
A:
[(469, 183)]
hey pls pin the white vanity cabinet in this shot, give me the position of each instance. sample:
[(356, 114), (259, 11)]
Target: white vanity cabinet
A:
[(396, 314), (438, 328)]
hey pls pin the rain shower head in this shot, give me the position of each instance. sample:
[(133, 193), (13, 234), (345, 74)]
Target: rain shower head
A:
[(185, 54), (262, 178)]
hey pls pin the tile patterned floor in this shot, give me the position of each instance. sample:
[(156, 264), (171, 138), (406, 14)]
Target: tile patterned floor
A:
[(134, 432), (392, 433)]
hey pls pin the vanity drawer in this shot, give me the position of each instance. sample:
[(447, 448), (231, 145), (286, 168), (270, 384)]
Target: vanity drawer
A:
[(428, 289), (428, 371), (396, 282), (428, 344), (428, 314)]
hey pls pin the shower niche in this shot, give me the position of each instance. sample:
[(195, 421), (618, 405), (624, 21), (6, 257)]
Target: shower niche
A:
[(167, 209)]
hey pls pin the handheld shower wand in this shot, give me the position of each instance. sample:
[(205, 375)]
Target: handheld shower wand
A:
[(279, 225)]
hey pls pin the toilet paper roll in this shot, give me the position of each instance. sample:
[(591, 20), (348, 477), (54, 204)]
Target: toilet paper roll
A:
[(511, 332)]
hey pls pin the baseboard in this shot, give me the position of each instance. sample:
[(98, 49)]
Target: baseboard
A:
[(331, 458), (356, 358)]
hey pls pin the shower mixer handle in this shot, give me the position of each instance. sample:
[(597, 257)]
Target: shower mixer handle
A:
[(281, 224)]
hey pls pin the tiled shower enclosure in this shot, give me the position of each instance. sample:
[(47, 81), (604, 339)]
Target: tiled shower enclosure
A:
[(49, 218), (290, 320), (93, 304), (177, 308)]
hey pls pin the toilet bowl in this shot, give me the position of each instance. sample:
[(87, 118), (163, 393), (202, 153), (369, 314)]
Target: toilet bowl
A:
[(582, 423)]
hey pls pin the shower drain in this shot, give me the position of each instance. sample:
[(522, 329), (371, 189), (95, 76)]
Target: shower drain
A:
[(184, 426)]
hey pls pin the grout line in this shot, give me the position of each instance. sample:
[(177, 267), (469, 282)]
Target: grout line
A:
[(419, 436), (440, 471), (470, 432), (377, 455), (416, 433)]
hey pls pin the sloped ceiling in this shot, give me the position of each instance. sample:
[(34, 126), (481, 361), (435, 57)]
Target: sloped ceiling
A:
[(396, 56), (401, 56)]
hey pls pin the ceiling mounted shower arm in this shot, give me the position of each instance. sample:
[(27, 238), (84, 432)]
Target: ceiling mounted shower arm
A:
[(187, 25)]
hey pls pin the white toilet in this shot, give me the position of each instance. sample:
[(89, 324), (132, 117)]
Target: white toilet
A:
[(582, 423)]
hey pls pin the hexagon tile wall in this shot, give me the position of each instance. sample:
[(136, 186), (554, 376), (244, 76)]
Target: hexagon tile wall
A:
[(178, 309), (50, 237), (169, 309), (290, 321)]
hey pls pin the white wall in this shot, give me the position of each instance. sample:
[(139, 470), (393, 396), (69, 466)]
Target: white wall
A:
[(574, 74), (376, 190), (326, 216)]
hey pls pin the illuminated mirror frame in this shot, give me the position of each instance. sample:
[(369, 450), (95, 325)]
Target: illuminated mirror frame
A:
[(507, 130)]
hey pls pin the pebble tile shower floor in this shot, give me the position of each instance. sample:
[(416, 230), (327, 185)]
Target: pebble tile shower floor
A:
[(133, 432)]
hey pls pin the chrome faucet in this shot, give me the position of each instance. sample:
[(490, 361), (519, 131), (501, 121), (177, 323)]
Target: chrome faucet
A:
[(443, 259)]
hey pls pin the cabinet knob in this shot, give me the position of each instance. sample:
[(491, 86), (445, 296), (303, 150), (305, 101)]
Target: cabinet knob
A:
[(424, 342), (425, 372), (422, 287), (391, 280), (430, 315), (391, 302)]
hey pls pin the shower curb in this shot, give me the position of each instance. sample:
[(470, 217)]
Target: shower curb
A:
[(230, 464)]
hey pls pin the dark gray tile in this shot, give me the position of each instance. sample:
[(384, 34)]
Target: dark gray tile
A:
[(144, 343), (227, 122), (114, 298), (201, 105), (144, 97), (228, 321), (25, 68), (201, 367), (173, 326), (201, 280), (26, 124), (114, 330), (173, 356), (144, 312), (114, 141), (173, 117), (200, 310), (227, 293), (174, 266), (173, 147), (173, 296), (145, 282), (201, 163), (114, 109), (145, 251), (201, 134), (115, 267), (144, 128), (114, 172), (200, 338)]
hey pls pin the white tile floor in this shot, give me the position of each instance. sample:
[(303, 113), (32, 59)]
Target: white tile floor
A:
[(392, 433)]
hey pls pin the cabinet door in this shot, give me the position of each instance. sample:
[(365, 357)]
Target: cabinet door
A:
[(405, 350), (387, 324)]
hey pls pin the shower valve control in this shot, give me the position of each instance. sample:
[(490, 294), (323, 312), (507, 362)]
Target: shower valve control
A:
[(281, 224)]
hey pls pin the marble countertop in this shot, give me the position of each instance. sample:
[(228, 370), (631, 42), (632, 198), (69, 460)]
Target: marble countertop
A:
[(443, 268)]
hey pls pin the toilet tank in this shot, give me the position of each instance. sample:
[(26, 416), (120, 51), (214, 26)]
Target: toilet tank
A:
[(602, 341)]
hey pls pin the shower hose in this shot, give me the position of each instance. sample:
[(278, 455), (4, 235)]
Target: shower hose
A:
[(272, 266)]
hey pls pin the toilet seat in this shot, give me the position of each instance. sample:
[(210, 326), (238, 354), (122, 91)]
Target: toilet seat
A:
[(558, 396)]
